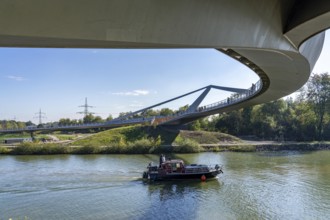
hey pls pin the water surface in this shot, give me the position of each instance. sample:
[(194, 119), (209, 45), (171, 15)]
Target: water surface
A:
[(280, 185)]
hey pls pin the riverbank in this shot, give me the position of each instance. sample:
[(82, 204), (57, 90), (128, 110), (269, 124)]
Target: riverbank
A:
[(145, 148), (257, 146), (149, 140)]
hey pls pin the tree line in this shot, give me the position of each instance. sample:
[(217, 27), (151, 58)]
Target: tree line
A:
[(305, 118)]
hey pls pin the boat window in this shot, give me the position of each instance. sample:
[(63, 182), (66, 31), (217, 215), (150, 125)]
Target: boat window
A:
[(173, 166)]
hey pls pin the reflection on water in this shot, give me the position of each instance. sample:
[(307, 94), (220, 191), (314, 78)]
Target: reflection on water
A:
[(264, 185), (178, 200), (283, 153)]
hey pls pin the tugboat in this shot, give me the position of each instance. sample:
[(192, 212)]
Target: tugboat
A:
[(176, 169)]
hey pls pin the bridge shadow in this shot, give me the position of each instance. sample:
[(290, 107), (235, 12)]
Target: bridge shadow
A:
[(168, 134)]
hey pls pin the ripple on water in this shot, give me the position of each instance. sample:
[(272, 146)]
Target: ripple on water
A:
[(253, 186)]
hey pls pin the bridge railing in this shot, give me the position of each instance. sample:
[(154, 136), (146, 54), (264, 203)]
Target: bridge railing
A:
[(237, 97)]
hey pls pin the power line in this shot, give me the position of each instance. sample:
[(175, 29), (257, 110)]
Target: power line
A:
[(86, 106)]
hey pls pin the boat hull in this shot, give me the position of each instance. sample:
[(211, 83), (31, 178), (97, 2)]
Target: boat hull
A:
[(173, 176)]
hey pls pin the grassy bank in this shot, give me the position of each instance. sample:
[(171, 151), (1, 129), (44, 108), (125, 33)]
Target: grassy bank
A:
[(38, 136), (149, 140), (143, 146), (127, 140), (147, 147), (8, 136)]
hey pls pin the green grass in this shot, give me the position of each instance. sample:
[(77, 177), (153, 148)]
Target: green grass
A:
[(135, 140), (6, 136), (204, 137), (187, 146), (117, 136), (147, 146), (4, 150), (64, 137), (139, 140), (30, 148)]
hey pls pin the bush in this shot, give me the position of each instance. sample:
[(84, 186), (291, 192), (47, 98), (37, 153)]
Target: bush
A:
[(29, 148), (161, 149), (4, 150), (54, 149), (115, 149), (141, 146), (86, 150), (26, 148), (187, 146)]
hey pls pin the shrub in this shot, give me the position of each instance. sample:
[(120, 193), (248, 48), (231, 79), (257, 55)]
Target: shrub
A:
[(4, 150), (26, 148), (54, 149), (187, 146), (141, 146), (114, 149), (29, 148), (90, 149), (161, 149)]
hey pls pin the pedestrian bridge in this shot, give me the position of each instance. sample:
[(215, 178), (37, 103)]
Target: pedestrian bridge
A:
[(280, 40), (194, 111)]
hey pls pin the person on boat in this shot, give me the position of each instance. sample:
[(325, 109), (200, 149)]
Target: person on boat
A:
[(161, 159)]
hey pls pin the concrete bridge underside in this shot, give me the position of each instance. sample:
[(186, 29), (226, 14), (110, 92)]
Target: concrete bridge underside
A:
[(278, 39)]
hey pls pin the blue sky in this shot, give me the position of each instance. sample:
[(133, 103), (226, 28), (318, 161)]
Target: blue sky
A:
[(114, 80)]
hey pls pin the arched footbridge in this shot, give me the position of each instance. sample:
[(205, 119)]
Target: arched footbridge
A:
[(280, 40)]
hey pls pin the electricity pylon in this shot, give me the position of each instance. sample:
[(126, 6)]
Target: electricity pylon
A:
[(86, 106), (40, 116)]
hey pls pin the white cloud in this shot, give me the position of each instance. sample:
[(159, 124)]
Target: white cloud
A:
[(15, 78), (136, 104), (132, 93)]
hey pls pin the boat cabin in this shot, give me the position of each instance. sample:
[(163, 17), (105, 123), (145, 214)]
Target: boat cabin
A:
[(173, 166)]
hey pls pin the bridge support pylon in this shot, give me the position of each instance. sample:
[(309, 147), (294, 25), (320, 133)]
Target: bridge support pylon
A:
[(32, 136)]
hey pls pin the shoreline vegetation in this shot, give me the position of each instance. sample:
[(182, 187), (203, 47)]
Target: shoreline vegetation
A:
[(149, 140)]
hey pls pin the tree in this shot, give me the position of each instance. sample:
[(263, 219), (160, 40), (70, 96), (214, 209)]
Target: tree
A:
[(230, 122), (88, 119), (246, 120), (64, 121), (166, 111), (122, 114), (303, 122), (97, 119), (318, 94), (109, 118), (183, 108), (263, 122), (149, 113), (195, 125), (29, 123)]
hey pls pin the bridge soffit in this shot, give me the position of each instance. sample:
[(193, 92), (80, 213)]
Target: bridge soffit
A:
[(143, 24), (307, 18)]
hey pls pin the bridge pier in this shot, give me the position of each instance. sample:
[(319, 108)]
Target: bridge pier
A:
[(32, 136)]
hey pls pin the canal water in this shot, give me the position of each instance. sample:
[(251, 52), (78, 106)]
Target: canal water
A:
[(265, 185)]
